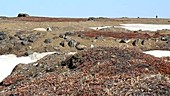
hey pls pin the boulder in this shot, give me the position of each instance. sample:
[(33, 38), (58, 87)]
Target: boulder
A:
[(80, 47), (23, 15), (32, 38), (165, 38), (2, 36), (91, 19), (24, 42), (22, 37), (70, 33), (81, 35), (62, 35), (48, 40), (72, 43)]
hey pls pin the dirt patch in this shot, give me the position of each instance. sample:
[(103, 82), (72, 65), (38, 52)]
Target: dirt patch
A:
[(127, 35)]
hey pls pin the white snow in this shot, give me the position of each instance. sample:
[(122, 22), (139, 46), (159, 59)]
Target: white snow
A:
[(72, 53), (158, 53), (8, 62), (100, 28), (144, 27), (39, 29)]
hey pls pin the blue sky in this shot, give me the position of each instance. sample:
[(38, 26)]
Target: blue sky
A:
[(86, 8)]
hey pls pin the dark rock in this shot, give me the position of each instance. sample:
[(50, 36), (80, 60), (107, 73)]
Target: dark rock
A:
[(2, 33), (2, 36), (81, 35), (91, 19), (22, 37), (65, 37), (70, 33), (134, 42), (72, 43), (47, 40), (49, 29), (61, 35), (165, 38), (143, 42), (18, 34), (168, 42), (62, 43), (13, 94), (124, 41), (80, 47), (99, 37), (28, 53), (23, 15), (24, 42)]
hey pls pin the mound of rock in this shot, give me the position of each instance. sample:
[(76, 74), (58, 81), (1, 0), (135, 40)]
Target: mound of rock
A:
[(23, 15), (96, 71)]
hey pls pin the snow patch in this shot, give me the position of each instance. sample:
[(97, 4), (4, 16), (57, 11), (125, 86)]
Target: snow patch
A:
[(8, 62), (144, 27), (158, 53), (100, 28)]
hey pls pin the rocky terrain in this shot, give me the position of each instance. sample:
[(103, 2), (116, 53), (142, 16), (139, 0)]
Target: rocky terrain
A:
[(108, 61), (97, 71)]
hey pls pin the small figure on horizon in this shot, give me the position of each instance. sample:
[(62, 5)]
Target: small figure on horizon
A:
[(156, 16)]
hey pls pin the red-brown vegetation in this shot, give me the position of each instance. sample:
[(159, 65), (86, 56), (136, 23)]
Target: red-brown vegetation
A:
[(101, 71)]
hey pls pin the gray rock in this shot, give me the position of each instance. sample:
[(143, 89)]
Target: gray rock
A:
[(80, 47), (72, 43), (70, 33), (2, 33), (22, 37), (56, 48), (28, 53), (2, 36), (62, 35), (65, 37), (48, 40), (24, 42), (165, 38), (32, 38), (168, 42), (18, 34)]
